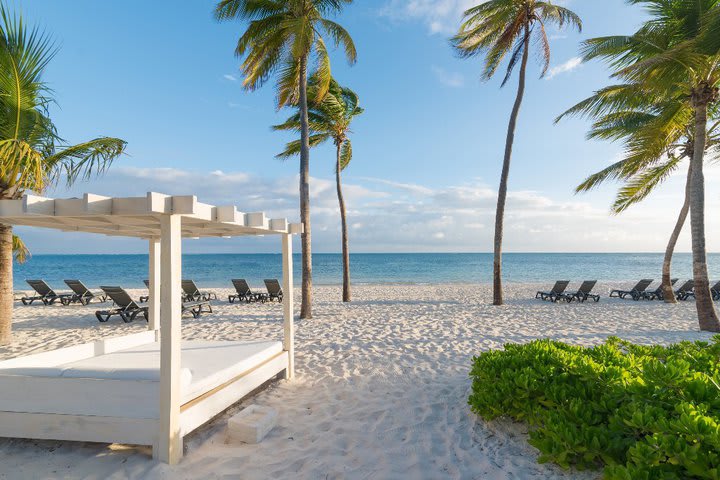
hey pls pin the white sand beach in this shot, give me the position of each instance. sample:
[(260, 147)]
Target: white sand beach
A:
[(381, 389)]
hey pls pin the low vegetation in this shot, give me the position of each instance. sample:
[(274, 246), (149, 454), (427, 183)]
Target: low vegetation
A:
[(639, 412)]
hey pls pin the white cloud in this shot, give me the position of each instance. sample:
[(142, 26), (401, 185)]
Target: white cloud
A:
[(229, 77), (566, 67), (449, 79), (440, 16), (391, 216)]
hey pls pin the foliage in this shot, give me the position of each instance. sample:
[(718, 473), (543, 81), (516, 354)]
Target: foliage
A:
[(32, 154), (20, 251), (656, 129), (641, 412), (662, 64), (330, 119), (497, 28), (280, 34)]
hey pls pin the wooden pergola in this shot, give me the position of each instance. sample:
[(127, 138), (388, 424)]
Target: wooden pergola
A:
[(163, 221)]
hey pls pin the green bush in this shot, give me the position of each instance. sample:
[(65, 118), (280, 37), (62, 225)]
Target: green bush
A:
[(639, 412)]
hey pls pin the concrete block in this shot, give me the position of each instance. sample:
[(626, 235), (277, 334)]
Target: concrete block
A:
[(252, 424)]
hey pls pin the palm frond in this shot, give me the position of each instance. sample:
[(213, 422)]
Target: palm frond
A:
[(638, 187), (345, 154), (21, 253)]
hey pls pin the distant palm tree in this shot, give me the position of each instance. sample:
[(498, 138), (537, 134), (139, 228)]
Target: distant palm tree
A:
[(282, 37), (496, 29), (330, 119), (32, 155), (677, 52), (657, 133)]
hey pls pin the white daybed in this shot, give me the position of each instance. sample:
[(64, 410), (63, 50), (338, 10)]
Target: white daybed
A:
[(148, 388), (108, 391)]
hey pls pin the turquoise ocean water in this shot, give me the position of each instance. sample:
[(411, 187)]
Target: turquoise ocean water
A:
[(216, 270)]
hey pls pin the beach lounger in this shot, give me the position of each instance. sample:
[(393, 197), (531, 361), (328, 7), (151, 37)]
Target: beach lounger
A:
[(243, 293), (658, 294), (685, 291), (715, 290), (274, 290), (583, 293), (193, 293), (45, 294), (128, 309), (82, 294), (125, 306), (636, 293), (145, 298), (556, 293)]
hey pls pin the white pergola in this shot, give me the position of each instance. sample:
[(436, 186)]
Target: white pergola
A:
[(163, 221)]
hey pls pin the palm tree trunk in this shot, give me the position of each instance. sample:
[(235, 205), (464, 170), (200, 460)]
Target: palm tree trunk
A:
[(667, 288), (343, 219), (502, 192), (306, 306), (6, 284), (707, 316)]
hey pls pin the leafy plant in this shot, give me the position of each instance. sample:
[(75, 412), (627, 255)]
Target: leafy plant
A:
[(639, 412)]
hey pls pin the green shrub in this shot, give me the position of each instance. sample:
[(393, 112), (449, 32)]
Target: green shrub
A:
[(639, 412)]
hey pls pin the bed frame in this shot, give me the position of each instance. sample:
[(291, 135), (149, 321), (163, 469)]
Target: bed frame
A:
[(111, 410)]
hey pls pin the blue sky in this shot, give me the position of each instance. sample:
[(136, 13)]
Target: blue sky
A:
[(427, 152)]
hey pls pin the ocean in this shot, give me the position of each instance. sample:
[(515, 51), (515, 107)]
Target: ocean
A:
[(216, 270)]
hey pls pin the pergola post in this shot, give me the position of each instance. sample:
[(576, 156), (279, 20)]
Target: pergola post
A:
[(154, 277), (169, 448), (288, 313)]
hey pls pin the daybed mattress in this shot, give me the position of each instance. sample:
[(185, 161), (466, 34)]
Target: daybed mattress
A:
[(204, 364)]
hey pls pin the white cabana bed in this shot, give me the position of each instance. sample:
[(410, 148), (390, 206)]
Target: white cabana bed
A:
[(149, 388)]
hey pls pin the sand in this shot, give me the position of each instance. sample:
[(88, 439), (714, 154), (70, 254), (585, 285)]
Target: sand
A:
[(381, 389)]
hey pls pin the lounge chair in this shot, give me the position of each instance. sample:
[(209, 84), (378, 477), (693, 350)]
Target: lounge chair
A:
[(145, 298), (193, 293), (83, 294), (128, 309), (658, 294), (636, 293), (243, 293), (686, 290), (556, 293), (125, 306), (583, 293), (715, 290), (274, 290), (45, 294)]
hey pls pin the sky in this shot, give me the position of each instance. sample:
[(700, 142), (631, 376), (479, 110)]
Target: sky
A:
[(427, 151)]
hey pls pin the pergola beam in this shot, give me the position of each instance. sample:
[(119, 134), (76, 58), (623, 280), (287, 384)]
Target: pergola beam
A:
[(139, 216)]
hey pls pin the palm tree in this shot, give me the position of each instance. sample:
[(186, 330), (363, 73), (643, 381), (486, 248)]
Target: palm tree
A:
[(670, 54), (32, 155), (496, 29), (657, 133), (330, 119), (282, 37)]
